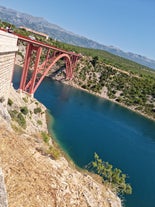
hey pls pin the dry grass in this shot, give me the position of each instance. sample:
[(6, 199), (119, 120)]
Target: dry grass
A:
[(34, 179)]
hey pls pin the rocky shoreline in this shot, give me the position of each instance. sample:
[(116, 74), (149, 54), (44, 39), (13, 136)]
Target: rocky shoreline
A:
[(33, 177), (104, 96)]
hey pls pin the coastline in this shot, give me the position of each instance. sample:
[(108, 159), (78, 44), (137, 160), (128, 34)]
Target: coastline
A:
[(51, 179), (50, 121), (111, 100), (71, 83)]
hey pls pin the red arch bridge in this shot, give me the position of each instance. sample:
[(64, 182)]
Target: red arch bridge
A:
[(43, 56)]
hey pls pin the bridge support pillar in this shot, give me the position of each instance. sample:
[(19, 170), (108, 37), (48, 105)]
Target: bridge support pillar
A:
[(24, 86), (34, 75), (26, 66)]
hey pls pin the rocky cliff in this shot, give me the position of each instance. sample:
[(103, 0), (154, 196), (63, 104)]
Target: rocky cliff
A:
[(33, 177)]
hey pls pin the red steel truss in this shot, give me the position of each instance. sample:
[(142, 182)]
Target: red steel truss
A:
[(41, 68)]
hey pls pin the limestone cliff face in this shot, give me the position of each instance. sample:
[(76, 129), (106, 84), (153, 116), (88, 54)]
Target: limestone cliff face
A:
[(35, 179), (36, 115)]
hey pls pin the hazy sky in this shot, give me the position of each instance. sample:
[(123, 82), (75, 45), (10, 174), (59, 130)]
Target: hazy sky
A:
[(126, 24)]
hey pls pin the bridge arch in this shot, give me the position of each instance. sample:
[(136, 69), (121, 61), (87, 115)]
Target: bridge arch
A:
[(54, 60), (40, 70), (68, 64)]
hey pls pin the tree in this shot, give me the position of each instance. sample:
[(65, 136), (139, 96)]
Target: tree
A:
[(114, 176), (94, 60)]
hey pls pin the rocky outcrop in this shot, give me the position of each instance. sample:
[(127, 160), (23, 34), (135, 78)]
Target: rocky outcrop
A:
[(3, 194), (4, 113), (35, 117)]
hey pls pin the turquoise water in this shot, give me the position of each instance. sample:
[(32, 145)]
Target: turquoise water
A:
[(85, 124)]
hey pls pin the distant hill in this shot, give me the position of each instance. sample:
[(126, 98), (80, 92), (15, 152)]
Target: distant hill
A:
[(40, 24)]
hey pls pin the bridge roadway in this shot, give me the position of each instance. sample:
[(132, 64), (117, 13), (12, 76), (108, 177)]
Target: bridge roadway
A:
[(38, 43), (45, 45)]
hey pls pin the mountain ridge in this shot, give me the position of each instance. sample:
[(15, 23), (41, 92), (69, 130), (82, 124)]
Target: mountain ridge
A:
[(56, 32)]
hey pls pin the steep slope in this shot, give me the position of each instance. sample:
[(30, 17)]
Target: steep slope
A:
[(40, 24), (34, 178)]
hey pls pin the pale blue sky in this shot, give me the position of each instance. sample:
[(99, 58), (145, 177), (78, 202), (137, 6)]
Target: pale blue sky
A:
[(126, 24)]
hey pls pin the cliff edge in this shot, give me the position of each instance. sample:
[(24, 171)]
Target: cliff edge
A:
[(33, 177)]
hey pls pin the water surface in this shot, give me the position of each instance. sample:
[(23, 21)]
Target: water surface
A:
[(84, 124)]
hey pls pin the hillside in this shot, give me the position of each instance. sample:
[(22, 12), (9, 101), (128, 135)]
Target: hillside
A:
[(135, 91), (117, 79), (54, 31), (109, 76), (36, 172)]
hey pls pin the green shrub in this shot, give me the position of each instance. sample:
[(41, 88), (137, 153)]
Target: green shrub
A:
[(18, 117), (111, 175), (24, 110), (10, 102), (45, 137), (13, 114), (39, 122), (21, 120), (37, 110), (54, 152), (25, 99)]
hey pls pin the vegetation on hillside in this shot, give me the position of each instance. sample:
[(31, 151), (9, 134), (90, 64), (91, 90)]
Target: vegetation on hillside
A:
[(110, 175), (111, 76), (102, 55), (134, 90)]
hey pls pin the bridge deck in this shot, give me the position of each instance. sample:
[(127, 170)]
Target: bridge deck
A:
[(45, 45)]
